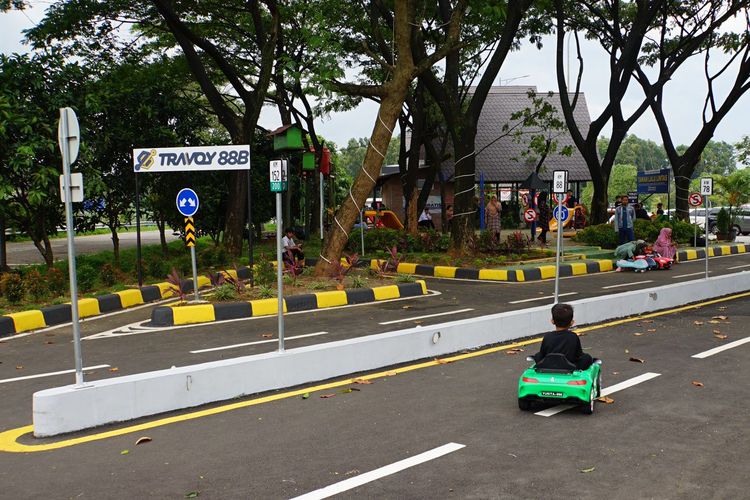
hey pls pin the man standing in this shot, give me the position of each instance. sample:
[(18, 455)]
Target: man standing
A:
[(624, 217), (572, 200)]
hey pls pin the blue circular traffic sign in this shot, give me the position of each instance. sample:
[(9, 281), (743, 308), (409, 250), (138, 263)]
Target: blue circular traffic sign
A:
[(187, 202), (564, 212)]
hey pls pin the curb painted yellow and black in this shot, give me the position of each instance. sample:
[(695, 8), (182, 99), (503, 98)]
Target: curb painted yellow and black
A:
[(515, 275), (206, 313), (13, 323), (713, 251)]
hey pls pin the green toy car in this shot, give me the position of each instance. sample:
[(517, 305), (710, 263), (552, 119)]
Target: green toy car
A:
[(556, 380)]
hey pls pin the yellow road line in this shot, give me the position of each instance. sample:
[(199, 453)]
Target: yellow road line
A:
[(9, 439)]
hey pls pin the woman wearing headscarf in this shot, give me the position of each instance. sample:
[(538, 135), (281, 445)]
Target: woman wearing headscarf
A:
[(664, 245)]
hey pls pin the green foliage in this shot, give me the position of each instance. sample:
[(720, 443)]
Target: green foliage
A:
[(317, 285), (11, 287), (107, 275), (723, 221), (682, 232), (266, 292), (265, 273), (377, 240), (602, 235), (57, 281), (87, 276), (358, 281), (644, 154), (226, 292), (34, 285), (405, 278)]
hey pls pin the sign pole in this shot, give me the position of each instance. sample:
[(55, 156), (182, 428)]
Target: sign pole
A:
[(322, 201), (190, 241), (279, 267), (707, 189), (138, 261), (250, 226), (64, 147), (362, 231), (559, 185), (705, 211)]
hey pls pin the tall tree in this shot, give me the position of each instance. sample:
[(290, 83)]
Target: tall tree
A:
[(625, 32)]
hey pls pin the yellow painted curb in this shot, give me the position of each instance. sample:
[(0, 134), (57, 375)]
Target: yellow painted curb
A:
[(331, 299), (88, 307), (266, 307), (198, 313), (386, 292), (130, 298), (27, 320)]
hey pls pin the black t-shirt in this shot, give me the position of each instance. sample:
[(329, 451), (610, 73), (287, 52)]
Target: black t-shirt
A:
[(563, 342), (641, 213)]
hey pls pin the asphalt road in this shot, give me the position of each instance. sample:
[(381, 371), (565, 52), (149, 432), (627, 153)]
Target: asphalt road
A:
[(681, 434), (26, 253)]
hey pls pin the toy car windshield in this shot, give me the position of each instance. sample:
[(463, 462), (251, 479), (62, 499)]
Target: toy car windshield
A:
[(555, 363)]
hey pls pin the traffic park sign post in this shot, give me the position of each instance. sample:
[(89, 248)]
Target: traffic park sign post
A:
[(529, 215), (695, 200), (278, 176), (559, 187), (68, 136), (707, 189), (187, 204)]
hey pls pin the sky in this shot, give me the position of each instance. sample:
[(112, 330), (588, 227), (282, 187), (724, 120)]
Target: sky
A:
[(685, 93)]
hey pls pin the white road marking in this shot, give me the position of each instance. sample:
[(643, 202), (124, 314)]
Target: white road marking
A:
[(426, 316), (738, 267), (606, 391), (717, 350), (627, 284), (268, 341), (376, 474), (691, 274), (51, 374), (542, 298)]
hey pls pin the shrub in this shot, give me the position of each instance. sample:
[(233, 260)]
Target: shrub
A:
[(518, 242), (602, 235), (722, 221), (34, 285), (11, 286), (265, 274), (107, 274), (317, 285), (157, 267), (376, 239), (57, 282), (682, 232), (405, 278), (206, 257), (86, 277), (358, 281), (221, 257), (266, 292), (225, 292)]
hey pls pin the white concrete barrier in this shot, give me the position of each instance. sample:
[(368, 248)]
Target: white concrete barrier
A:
[(70, 408)]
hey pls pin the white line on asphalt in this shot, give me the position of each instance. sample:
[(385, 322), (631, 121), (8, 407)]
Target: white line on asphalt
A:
[(376, 474), (628, 284), (717, 350), (256, 343), (542, 298), (738, 267), (426, 316), (606, 391), (50, 374), (691, 274)]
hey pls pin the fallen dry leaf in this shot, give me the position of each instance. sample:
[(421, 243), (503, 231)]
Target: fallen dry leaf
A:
[(698, 323), (326, 396), (391, 374), (720, 337), (723, 308), (513, 351), (581, 334), (590, 469), (266, 335), (636, 360), (19, 367), (615, 373), (405, 307), (114, 369), (418, 322), (647, 321), (722, 318), (362, 381), (714, 322), (442, 361), (345, 391), (651, 330), (637, 334), (144, 439), (353, 471), (697, 384), (49, 342), (605, 399)]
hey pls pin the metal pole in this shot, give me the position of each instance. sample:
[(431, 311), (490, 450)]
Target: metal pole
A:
[(195, 273), (279, 267), (559, 245), (250, 226), (705, 206), (322, 201), (138, 262), (71, 249)]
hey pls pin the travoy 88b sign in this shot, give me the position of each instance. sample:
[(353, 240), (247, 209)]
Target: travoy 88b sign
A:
[(191, 159)]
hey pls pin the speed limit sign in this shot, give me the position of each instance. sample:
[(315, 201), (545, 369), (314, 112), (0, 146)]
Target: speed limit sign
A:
[(695, 199), (565, 197), (529, 215)]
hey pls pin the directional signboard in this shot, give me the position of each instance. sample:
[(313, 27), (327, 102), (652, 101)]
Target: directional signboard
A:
[(71, 132), (189, 232), (190, 159), (187, 202)]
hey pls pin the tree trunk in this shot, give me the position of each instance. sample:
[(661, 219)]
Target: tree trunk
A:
[(234, 227), (45, 248), (682, 186), (346, 215), (600, 199), (3, 246), (464, 204), (161, 224), (115, 246), (411, 213)]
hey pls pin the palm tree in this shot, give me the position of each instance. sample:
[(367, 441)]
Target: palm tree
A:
[(736, 188)]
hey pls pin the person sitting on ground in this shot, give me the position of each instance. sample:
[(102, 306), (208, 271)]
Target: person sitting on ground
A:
[(640, 212), (664, 244), (628, 250), (562, 340), (425, 219), (292, 250)]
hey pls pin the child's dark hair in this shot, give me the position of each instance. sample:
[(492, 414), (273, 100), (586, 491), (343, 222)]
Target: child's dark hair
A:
[(288, 230), (562, 315)]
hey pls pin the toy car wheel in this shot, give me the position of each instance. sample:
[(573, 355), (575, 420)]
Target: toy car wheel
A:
[(524, 404), (599, 385), (589, 408)]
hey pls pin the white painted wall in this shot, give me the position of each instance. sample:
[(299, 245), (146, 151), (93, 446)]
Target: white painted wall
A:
[(66, 409)]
